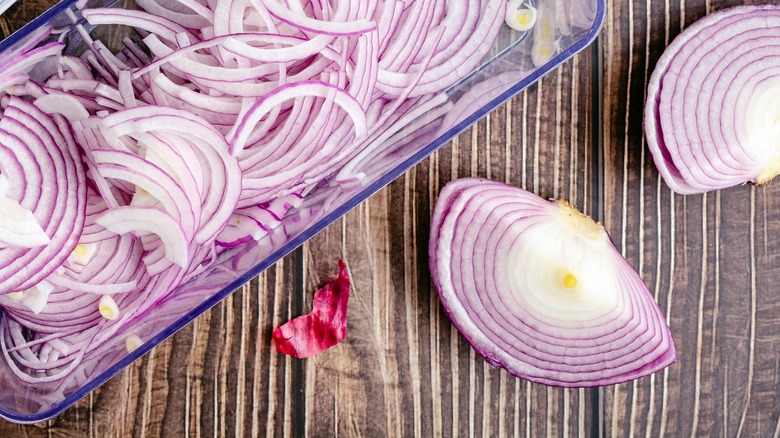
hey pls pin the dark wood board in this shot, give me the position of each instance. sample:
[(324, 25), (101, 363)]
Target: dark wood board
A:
[(710, 260)]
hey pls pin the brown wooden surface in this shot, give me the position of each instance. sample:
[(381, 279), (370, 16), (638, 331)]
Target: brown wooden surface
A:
[(712, 261)]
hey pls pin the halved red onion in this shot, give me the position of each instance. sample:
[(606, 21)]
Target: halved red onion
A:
[(712, 117), (538, 288)]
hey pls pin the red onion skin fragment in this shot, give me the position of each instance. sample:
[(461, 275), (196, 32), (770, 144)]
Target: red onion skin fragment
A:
[(324, 327), (538, 289)]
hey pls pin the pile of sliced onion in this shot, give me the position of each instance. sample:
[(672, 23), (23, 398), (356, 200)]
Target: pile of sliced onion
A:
[(537, 288), (712, 118), (125, 173)]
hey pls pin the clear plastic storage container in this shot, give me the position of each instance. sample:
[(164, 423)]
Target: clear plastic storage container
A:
[(510, 67)]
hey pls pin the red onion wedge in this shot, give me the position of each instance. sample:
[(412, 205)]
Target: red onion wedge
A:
[(537, 288), (712, 117)]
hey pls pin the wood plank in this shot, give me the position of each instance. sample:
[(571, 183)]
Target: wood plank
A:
[(707, 258)]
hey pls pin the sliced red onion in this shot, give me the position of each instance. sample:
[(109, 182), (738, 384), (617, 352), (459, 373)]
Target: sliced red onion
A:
[(191, 135), (188, 20), (18, 226), (397, 127), (253, 223), (448, 70), (296, 90), (243, 109), (153, 183), (337, 26), (712, 117), (538, 288), (141, 20), (36, 152), (13, 80), (141, 220), (23, 49), (34, 298), (24, 63), (74, 68), (64, 104)]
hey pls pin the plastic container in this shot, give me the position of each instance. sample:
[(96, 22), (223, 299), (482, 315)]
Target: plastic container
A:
[(506, 71)]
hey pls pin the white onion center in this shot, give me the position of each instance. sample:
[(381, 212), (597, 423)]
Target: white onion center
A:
[(562, 273), (763, 127)]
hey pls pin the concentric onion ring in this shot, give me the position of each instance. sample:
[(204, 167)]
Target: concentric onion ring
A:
[(36, 151), (538, 288), (712, 118)]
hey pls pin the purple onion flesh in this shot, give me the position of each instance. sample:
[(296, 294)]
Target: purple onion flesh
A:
[(712, 117)]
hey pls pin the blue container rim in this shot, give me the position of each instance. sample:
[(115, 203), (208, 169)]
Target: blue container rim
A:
[(36, 24)]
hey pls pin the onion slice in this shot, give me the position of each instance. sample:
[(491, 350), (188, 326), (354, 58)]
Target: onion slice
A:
[(538, 288), (124, 220)]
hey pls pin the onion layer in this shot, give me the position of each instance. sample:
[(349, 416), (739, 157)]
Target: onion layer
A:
[(712, 118), (37, 151), (538, 288)]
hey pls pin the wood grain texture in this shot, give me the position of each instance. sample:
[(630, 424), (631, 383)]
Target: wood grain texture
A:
[(404, 370), (710, 260)]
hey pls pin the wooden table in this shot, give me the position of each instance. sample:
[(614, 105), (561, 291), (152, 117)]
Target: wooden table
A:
[(711, 261)]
